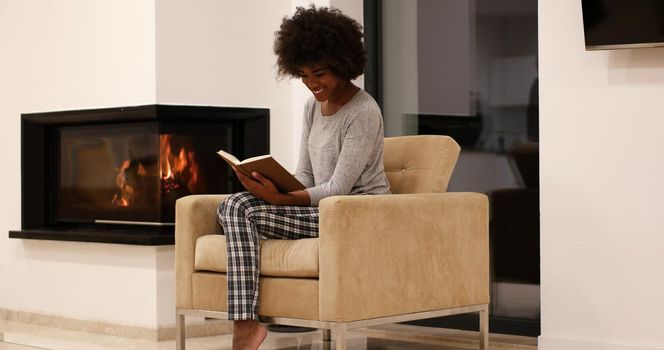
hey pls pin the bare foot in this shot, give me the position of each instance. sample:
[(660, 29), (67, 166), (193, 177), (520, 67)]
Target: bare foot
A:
[(248, 335)]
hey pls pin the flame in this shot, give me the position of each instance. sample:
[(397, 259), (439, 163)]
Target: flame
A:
[(165, 153), (125, 197), (174, 171)]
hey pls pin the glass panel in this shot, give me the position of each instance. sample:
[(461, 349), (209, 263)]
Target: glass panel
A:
[(189, 163), (468, 69), (136, 171), (108, 172)]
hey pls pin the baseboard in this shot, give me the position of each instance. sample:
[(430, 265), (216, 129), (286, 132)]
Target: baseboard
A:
[(193, 329), (550, 343)]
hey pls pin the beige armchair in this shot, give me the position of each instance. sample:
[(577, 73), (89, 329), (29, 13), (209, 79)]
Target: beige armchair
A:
[(417, 253)]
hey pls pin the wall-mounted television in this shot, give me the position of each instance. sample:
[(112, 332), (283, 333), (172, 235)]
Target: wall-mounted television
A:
[(623, 24)]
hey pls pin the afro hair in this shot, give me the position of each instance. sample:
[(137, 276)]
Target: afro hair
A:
[(322, 36)]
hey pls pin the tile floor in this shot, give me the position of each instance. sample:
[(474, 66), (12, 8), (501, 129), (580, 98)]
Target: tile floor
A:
[(19, 336)]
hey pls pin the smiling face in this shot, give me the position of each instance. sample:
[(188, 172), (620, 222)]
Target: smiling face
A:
[(322, 82)]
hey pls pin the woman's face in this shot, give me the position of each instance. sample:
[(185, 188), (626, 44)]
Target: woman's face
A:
[(322, 82)]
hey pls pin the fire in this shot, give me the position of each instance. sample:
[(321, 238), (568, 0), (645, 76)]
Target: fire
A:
[(176, 169), (126, 195), (176, 172)]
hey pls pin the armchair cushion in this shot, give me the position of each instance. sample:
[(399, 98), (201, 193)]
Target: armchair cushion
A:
[(280, 258), (419, 164)]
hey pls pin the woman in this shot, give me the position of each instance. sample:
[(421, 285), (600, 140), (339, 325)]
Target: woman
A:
[(341, 153)]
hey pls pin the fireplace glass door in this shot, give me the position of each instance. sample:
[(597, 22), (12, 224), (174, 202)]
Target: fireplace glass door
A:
[(133, 172)]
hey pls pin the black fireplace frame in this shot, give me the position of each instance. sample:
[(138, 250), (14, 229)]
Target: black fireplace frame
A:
[(251, 125)]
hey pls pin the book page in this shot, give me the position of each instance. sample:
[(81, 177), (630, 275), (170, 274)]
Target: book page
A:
[(229, 157), (253, 159)]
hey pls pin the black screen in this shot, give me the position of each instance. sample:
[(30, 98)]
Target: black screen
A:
[(623, 23)]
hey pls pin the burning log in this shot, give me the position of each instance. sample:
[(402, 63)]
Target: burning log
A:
[(178, 175)]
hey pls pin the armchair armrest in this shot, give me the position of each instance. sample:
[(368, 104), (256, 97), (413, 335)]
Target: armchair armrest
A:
[(194, 216), (403, 253)]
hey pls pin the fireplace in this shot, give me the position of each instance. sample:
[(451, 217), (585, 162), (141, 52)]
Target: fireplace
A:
[(113, 175)]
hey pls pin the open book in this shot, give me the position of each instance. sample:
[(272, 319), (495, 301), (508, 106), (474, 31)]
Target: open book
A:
[(266, 166)]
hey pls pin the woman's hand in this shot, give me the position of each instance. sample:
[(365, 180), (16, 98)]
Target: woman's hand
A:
[(259, 186), (263, 188)]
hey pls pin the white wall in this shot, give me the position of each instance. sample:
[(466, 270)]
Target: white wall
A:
[(601, 126), (59, 55), (212, 52), (76, 54)]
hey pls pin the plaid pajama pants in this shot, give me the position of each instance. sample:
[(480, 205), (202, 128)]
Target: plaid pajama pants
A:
[(245, 219)]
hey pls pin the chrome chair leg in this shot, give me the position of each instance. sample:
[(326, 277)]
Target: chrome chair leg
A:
[(179, 332), (484, 329), (340, 330)]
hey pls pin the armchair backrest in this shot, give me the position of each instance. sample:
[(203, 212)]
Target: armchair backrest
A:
[(419, 164)]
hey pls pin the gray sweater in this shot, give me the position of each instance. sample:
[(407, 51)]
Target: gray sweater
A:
[(342, 153)]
